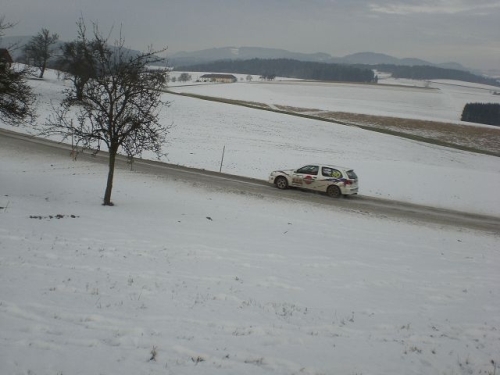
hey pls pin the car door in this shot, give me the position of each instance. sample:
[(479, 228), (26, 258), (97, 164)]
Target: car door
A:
[(306, 177)]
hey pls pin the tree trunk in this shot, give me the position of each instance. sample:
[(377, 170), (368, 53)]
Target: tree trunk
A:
[(79, 93), (111, 171)]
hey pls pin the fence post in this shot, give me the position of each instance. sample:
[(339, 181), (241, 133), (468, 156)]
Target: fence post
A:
[(222, 160)]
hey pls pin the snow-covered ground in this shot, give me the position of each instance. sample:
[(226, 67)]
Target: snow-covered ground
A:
[(215, 283), (220, 283), (257, 142)]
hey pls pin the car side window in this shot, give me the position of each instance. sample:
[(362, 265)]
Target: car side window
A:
[(309, 169), (330, 172), (336, 173)]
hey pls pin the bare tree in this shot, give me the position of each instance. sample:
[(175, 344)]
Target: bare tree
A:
[(40, 49), (120, 104), (16, 97), (184, 77), (75, 61), (4, 25), (75, 65)]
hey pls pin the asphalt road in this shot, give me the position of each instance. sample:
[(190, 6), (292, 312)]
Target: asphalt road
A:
[(369, 206)]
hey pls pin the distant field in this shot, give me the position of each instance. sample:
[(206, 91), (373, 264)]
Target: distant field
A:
[(423, 111), (481, 139), (469, 137)]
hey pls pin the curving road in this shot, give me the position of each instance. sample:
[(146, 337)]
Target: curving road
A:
[(375, 207)]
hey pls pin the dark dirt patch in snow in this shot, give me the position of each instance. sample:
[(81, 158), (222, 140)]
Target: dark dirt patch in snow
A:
[(468, 137), (50, 217)]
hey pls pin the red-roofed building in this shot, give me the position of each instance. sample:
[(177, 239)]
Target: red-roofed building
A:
[(223, 78), (5, 56)]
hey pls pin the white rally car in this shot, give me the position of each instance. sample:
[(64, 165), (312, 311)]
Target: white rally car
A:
[(333, 180)]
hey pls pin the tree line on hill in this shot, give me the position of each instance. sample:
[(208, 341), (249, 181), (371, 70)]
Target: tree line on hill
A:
[(287, 68), (425, 72), (334, 72)]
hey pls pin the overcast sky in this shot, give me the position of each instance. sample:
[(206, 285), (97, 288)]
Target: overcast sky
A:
[(464, 31)]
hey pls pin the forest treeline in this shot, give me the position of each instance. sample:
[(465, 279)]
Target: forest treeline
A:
[(425, 72), (482, 113), (287, 68), (333, 72)]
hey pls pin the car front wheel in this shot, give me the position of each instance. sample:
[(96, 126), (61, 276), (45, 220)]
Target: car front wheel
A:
[(333, 191), (281, 182)]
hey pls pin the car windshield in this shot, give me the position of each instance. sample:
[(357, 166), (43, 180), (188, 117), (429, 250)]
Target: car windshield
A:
[(352, 175), (308, 169)]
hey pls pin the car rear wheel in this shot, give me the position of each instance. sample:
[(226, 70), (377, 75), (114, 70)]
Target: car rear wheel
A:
[(333, 191), (281, 182)]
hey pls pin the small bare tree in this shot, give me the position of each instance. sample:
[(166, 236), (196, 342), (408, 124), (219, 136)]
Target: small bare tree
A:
[(40, 49), (119, 105), (4, 25), (184, 77)]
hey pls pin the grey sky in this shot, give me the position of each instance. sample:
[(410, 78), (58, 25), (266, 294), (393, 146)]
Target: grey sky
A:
[(465, 31)]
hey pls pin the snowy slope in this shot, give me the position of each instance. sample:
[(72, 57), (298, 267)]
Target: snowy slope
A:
[(219, 283), (257, 142), (213, 283)]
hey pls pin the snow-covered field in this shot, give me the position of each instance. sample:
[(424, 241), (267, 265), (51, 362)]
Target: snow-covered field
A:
[(229, 284), (257, 142), (439, 100), (214, 283)]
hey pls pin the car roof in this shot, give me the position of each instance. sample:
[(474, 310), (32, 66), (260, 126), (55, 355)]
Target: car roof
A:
[(329, 166)]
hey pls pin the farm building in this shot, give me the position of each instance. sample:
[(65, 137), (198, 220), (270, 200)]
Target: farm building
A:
[(222, 78), (5, 56)]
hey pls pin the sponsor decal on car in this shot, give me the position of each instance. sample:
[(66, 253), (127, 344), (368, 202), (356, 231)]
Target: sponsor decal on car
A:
[(308, 180)]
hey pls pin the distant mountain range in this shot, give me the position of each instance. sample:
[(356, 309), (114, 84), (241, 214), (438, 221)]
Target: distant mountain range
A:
[(15, 45), (245, 53)]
